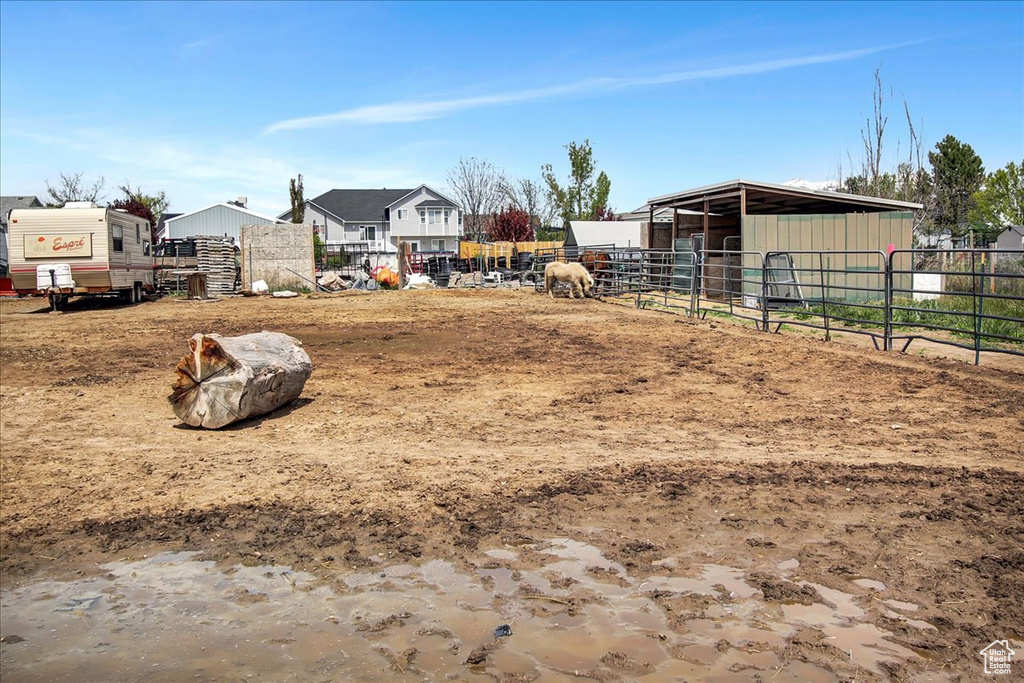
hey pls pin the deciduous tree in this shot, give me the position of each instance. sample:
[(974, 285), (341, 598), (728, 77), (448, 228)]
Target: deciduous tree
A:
[(583, 195), (72, 188), (909, 181), (1001, 201), (138, 203), (531, 197), (136, 208), (511, 225), (477, 184)]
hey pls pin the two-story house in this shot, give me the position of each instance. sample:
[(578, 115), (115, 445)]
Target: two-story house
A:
[(423, 217)]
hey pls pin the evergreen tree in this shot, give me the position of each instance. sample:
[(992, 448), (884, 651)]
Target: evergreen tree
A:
[(298, 202), (957, 174)]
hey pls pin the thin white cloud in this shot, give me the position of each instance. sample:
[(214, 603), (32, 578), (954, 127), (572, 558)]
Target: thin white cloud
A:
[(197, 47), (411, 111), (197, 173)]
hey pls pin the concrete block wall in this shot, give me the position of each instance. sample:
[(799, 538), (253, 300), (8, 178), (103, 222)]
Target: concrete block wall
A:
[(279, 254)]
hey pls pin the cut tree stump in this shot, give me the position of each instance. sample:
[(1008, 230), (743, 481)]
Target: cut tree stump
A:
[(225, 379)]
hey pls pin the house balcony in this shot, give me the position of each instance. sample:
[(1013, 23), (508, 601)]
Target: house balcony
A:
[(429, 230)]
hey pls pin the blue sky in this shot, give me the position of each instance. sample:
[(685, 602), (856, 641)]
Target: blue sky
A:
[(209, 101)]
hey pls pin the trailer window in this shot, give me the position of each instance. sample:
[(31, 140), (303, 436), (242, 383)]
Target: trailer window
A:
[(138, 234), (145, 248), (117, 232)]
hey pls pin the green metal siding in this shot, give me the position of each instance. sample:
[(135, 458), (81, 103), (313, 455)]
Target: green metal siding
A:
[(833, 232)]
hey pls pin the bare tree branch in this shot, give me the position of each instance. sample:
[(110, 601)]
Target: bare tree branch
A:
[(71, 188), (478, 186), (530, 197)]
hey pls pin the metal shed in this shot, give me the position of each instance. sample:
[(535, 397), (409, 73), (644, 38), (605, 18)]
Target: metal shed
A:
[(218, 220), (769, 217), (761, 218), (620, 234)]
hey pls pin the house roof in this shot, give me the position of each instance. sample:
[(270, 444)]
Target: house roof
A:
[(164, 217), (8, 204), (359, 205), (229, 205), (662, 214), (768, 198), (437, 202), (368, 206), (621, 234), (417, 190), (287, 215)]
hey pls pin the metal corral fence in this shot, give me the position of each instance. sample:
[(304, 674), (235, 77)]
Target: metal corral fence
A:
[(972, 299), (976, 295), (543, 256)]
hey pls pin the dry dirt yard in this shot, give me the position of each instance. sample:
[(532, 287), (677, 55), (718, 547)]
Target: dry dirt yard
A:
[(443, 424)]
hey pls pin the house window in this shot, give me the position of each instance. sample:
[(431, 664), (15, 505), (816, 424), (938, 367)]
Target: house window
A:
[(438, 245), (414, 246), (368, 232), (117, 233), (138, 234), (434, 216), (401, 214)]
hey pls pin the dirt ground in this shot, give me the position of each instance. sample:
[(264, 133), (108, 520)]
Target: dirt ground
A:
[(438, 423)]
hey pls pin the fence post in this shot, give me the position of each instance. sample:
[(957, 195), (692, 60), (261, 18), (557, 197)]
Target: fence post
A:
[(640, 282), (824, 295), (693, 284), (887, 302), (975, 290), (764, 292)]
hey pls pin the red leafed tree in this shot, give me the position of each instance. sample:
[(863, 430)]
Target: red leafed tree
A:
[(511, 225), (136, 208), (606, 214)]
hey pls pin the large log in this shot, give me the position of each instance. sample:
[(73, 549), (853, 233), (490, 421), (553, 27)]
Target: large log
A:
[(225, 379)]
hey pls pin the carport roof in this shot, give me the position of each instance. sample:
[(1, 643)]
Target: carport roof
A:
[(767, 198)]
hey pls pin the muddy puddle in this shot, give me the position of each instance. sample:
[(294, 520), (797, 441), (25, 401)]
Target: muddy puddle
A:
[(570, 612)]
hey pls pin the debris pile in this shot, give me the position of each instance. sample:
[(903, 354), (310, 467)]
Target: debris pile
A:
[(331, 282)]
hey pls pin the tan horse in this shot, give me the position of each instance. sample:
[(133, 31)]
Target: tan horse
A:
[(573, 273)]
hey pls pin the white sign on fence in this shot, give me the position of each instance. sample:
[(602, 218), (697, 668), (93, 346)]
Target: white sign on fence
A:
[(925, 284)]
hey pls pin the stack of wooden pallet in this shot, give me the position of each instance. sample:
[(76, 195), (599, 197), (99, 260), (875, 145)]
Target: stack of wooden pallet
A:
[(215, 256)]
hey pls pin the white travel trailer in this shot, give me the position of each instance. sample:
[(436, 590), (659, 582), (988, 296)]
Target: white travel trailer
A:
[(78, 250)]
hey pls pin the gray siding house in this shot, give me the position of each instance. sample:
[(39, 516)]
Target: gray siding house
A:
[(224, 219), (423, 217), (1011, 238), (8, 204)]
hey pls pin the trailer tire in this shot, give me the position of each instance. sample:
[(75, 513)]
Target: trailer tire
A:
[(137, 293)]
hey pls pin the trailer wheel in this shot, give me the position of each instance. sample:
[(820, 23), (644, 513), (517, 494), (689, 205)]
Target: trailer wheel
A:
[(137, 293)]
